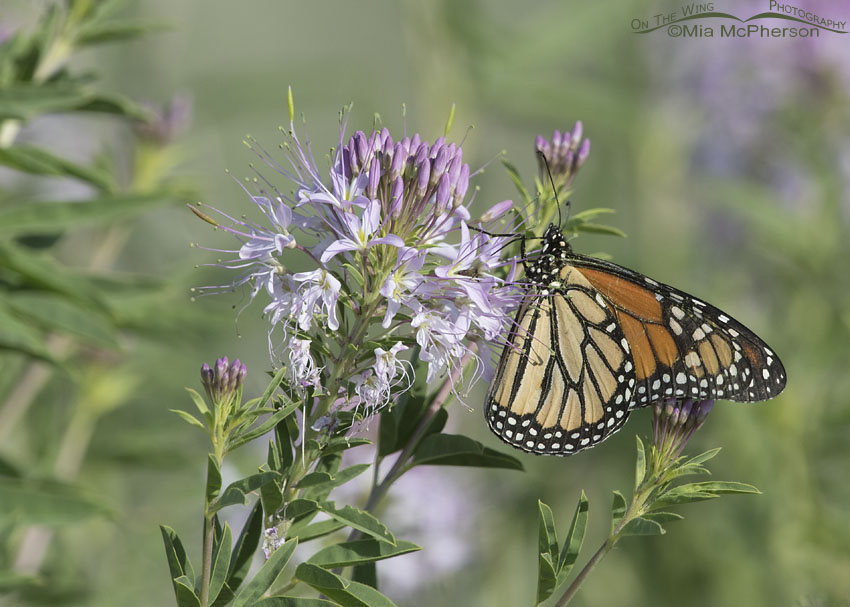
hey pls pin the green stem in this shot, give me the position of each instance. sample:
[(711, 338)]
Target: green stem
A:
[(206, 574)]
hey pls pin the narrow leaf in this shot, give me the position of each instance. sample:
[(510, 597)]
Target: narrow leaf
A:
[(595, 228), (618, 510), (56, 313), (221, 563), (547, 579), (39, 161), (359, 552), (547, 538), (360, 520), (663, 517), (325, 480), (703, 457), (640, 462), (184, 591), (29, 501), (265, 427), (238, 491), (642, 526), (213, 478), (246, 546), (310, 531), (53, 215), (291, 601), (266, 576), (189, 418), (459, 450), (575, 538), (199, 401), (343, 591)]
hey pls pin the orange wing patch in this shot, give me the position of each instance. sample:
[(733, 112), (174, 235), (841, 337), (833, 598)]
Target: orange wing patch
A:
[(626, 294)]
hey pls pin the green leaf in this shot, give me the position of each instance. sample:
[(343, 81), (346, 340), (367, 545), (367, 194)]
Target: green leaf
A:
[(640, 462), (18, 336), (618, 510), (343, 591), (59, 314), (642, 526), (360, 520), (189, 418), (291, 601), (583, 216), (304, 530), (185, 593), (547, 579), (199, 401), (594, 228), (343, 443), (41, 272), (663, 517), (703, 457), (24, 101), (299, 508), (213, 479), (52, 215), (221, 563), (514, 175), (37, 161), (246, 546), (359, 552), (266, 576), (547, 537), (366, 573), (113, 31), (325, 480), (459, 450), (574, 540), (721, 487), (695, 492), (28, 501), (237, 492), (178, 563), (264, 428)]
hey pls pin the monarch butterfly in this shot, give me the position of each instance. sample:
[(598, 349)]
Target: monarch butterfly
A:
[(596, 340)]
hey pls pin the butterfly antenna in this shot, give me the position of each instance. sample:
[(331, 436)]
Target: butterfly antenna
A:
[(554, 189)]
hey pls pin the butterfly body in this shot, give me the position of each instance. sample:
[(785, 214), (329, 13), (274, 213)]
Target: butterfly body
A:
[(594, 340)]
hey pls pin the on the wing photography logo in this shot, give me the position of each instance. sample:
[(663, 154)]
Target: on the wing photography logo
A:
[(781, 20)]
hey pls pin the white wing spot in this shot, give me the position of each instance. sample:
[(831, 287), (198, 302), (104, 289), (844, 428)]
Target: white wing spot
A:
[(677, 312), (723, 318), (677, 328), (681, 378), (698, 335)]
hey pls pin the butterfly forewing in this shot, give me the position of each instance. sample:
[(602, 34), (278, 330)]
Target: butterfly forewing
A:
[(558, 391), (594, 340), (682, 346)]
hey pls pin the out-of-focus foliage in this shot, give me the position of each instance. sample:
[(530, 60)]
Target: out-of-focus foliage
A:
[(727, 164)]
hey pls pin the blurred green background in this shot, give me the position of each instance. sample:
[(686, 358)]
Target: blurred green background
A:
[(728, 163)]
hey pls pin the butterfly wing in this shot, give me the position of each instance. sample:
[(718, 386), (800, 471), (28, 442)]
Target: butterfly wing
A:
[(566, 378), (604, 339), (681, 346)]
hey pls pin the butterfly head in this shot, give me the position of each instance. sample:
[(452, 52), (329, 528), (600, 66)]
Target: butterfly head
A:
[(551, 257)]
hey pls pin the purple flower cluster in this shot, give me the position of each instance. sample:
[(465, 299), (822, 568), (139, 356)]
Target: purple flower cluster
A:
[(395, 261), (565, 153)]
